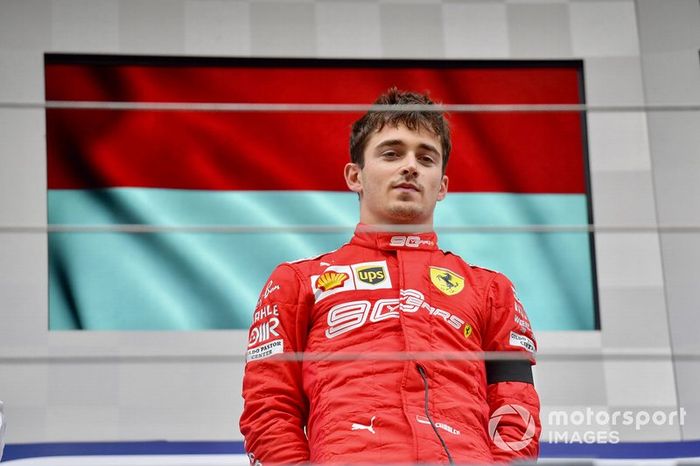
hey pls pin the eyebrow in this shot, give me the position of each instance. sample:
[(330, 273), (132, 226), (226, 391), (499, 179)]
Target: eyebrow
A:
[(399, 142)]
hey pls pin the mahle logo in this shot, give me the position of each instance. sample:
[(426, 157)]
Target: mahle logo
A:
[(509, 410), (371, 275)]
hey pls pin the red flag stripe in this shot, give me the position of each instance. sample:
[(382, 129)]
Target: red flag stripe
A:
[(493, 152)]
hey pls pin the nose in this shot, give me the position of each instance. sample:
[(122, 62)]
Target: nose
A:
[(410, 167)]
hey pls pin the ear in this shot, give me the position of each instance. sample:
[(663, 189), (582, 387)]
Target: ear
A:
[(443, 188), (353, 177)]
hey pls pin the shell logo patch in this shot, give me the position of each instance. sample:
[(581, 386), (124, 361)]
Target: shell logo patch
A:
[(330, 280), (446, 280)]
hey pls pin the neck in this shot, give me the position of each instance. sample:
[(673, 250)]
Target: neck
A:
[(394, 224), (396, 227)]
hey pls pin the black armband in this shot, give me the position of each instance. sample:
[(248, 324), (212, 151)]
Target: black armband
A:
[(508, 371)]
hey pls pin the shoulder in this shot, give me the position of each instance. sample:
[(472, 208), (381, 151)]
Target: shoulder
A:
[(482, 274), (313, 262), (301, 269)]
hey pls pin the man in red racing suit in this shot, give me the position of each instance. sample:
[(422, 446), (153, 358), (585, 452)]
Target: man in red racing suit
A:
[(378, 321)]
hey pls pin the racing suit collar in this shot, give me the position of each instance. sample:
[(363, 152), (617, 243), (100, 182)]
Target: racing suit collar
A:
[(371, 237)]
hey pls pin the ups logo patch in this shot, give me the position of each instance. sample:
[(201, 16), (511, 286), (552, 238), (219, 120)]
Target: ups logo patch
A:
[(371, 275)]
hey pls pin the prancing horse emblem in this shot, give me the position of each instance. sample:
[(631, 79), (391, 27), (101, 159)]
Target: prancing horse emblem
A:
[(446, 280)]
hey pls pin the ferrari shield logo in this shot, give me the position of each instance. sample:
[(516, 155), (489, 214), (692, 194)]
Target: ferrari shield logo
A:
[(446, 280)]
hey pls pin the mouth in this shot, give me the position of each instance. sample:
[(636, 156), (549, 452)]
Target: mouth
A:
[(407, 187)]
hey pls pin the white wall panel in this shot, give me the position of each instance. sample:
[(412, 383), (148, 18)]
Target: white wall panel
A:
[(285, 29), (28, 423), (668, 26), (411, 30), (217, 27), (151, 27), (584, 385), (24, 295), (539, 30), (21, 80), (25, 25), (624, 198), (628, 260), (64, 423), (475, 30), (641, 383), (669, 40), (593, 24), (688, 380), (614, 81), (672, 78), (23, 180), (88, 26), (24, 386), (634, 318), (83, 384), (348, 30), (618, 141)]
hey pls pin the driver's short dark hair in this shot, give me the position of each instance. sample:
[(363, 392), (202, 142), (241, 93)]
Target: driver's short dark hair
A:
[(375, 120)]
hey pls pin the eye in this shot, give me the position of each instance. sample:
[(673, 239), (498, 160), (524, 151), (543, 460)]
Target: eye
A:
[(427, 159), (391, 154)]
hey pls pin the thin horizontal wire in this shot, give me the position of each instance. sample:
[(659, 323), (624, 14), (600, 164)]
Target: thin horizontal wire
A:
[(343, 108), (560, 356), (326, 229)]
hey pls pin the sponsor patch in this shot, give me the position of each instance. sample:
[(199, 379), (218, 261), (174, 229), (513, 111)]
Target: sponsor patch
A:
[(522, 341), (446, 280), (330, 280), (371, 275), (263, 312), (265, 351), (270, 288), (263, 332), (409, 242), (348, 316), (370, 427), (363, 276), (334, 279), (468, 331), (524, 324), (440, 425), (519, 309)]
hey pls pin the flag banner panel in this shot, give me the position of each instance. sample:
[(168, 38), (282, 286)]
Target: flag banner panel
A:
[(194, 167)]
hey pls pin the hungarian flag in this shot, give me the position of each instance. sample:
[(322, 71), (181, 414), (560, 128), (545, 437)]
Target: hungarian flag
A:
[(199, 167)]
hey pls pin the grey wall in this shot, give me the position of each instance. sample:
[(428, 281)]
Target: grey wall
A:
[(670, 47), (66, 386)]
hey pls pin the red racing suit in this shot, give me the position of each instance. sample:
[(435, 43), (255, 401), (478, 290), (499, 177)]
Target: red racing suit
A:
[(388, 293)]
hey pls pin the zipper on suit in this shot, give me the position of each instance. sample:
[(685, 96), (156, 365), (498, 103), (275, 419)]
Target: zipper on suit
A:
[(424, 376)]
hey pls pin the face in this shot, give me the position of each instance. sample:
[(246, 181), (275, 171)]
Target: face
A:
[(401, 180)]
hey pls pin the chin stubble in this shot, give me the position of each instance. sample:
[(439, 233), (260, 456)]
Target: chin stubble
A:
[(404, 212)]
